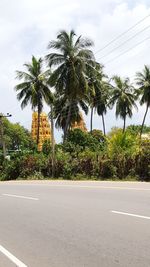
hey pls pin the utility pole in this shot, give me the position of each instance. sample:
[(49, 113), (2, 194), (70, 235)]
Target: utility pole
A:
[(2, 132), (53, 142)]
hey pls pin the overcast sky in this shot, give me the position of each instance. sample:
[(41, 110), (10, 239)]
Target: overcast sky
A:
[(27, 26)]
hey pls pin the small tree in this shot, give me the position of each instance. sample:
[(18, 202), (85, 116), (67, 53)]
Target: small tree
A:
[(143, 82), (98, 93), (33, 89), (123, 95)]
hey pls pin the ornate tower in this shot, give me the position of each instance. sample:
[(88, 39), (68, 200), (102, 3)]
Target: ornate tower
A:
[(79, 125), (45, 131)]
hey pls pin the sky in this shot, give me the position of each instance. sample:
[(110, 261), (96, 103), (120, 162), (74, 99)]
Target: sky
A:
[(27, 26)]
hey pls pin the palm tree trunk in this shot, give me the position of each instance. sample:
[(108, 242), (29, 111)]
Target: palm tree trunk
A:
[(103, 121), (67, 122), (124, 124), (53, 143), (38, 126), (91, 123), (144, 120)]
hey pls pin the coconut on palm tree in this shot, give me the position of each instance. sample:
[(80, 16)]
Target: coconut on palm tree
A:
[(33, 89), (123, 95), (143, 82), (70, 63)]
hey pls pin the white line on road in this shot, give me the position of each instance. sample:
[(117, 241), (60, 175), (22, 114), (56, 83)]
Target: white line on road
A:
[(31, 198), (11, 257), (131, 214)]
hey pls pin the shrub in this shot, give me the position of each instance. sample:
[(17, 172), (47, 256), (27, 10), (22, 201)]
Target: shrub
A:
[(88, 163), (125, 143), (83, 140), (123, 149), (10, 169), (47, 148), (107, 169), (36, 176), (143, 161)]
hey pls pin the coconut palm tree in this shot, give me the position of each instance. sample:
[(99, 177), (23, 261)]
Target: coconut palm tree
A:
[(143, 82), (102, 104), (61, 108), (123, 95), (70, 63), (33, 89), (98, 93)]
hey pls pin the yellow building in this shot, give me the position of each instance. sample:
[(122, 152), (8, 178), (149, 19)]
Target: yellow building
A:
[(44, 131), (79, 125)]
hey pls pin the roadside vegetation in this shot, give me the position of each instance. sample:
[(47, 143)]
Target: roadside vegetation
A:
[(71, 81), (117, 156)]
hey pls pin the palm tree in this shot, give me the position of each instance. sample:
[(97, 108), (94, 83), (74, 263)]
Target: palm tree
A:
[(61, 108), (98, 93), (33, 89), (123, 96), (70, 63), (143, 81), (102, 104)]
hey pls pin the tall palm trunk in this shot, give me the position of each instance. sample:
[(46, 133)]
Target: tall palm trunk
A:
[(38, 125), (67, 122), (144, 120), (53, 142), (91, 122), (103, 121), (124, 124)]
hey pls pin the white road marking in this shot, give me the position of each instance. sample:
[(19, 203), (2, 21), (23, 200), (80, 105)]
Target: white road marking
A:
[(11, 257), (31, 198), (100, 187), (131, 214)]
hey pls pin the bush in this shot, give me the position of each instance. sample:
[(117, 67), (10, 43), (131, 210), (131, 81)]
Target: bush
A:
[(107, 169), (35, 176), (123, 149), (10, 169), (47, 148), (88, 163), (143, 161), (83, 140), (123, 143), (98, 134)]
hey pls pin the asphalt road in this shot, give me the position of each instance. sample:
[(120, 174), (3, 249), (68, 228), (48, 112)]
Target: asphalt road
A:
[(74, 224)]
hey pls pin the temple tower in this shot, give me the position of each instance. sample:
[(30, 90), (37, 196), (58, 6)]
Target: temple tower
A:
[(44, 131), (79, 125)]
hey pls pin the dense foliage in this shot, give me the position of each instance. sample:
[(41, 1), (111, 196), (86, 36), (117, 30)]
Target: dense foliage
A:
[(84, 156), (16, 137)]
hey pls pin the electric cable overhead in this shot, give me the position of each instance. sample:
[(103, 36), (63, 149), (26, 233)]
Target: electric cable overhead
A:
[(120, 35), (132, 37), (127, 50)]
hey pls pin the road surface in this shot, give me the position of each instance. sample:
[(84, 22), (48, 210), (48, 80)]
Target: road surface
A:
[(74, 224)]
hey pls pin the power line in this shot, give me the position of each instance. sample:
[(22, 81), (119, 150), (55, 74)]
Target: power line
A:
[(127, 50), (120, 35), (132, 37)]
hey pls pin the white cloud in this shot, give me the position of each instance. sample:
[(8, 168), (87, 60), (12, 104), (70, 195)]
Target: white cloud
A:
[(28, 25)]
